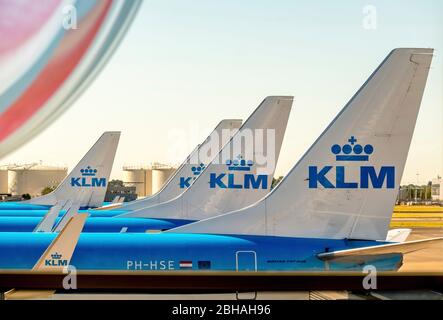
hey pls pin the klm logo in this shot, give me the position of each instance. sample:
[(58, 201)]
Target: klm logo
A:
[(56, 261), (369, 176), (231, 181), (88, 179), (185, 182)]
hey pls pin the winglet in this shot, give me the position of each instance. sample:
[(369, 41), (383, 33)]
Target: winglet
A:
[(59, 253), (398, 235), (72, 211), (47, 223)]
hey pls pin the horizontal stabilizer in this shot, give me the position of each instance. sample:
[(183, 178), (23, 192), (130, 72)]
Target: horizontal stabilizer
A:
[(403, 248)]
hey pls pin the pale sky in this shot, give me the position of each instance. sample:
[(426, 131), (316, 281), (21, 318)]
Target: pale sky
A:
[(185, 65)]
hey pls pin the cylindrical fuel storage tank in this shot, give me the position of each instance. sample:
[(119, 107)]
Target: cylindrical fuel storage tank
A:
[(135, 177), (148, 182), (159, 177), (34, 180), (3, 181)]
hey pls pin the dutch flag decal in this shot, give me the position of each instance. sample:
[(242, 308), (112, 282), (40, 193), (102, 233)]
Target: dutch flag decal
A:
[(185, 264)]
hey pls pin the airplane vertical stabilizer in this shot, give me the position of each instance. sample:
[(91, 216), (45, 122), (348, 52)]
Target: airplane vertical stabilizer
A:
[(184, 176), (239, 175), (89, 178)]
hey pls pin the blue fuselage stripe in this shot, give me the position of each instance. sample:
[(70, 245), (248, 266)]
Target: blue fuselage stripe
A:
[(95, 224), (139, 251)]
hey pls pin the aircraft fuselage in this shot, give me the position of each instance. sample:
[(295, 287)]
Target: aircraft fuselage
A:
[(167, 252)]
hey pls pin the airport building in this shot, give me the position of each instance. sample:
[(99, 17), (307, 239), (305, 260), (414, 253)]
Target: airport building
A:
[(29, 179), (437, 189), (125, 193), (147, 180)]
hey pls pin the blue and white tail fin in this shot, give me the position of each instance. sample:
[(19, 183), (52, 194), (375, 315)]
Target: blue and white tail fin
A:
[(89, 178), (345, 185), (239, 175), (185, 175)]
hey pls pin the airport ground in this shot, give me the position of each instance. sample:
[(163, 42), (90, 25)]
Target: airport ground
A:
[(428, 260), (426, 222)]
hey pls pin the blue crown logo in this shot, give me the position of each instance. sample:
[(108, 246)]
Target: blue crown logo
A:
[(56, 256), (239, 164), (198, 169), (352, 151), (88, 171)]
